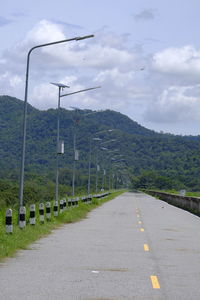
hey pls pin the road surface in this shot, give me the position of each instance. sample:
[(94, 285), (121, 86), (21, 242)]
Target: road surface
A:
[(132, 247)]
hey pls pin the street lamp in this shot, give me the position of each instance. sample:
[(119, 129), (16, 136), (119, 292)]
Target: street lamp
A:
[(21, 190), (90, 150), (74, 140), (62, 86), (97, 165), (59, 149)]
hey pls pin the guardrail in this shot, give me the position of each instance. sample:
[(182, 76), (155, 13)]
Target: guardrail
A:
[(47, 210), (186, 202)]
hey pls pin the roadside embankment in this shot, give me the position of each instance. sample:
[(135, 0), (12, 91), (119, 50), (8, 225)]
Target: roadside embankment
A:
[(189, 203), (22, 238)]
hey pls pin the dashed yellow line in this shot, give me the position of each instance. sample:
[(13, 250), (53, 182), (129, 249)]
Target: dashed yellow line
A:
[(146, 247), (154, 281), (142, 229)]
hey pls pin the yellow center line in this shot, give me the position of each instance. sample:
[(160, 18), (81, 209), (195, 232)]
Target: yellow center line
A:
[(146, 247), (154, 281), (142, 229), (139, 222)]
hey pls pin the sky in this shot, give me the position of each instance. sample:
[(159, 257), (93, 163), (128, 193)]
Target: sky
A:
[(145, 55)]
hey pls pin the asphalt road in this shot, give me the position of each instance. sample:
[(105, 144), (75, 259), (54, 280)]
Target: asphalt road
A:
[(133, 247)]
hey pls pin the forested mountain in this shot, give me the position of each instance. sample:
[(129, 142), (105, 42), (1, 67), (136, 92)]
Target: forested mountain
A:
[(147, 157)]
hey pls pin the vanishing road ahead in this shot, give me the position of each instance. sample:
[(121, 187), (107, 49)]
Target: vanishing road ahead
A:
[(133, 247)]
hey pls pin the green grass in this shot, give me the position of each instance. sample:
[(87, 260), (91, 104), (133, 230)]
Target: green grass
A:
[(22, 238), (189, 194), (193, 194)]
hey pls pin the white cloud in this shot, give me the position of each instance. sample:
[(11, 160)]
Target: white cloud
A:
[(165, 92), (176, 104), (183, 61), (105, 59), (44, 31), (11, 84)]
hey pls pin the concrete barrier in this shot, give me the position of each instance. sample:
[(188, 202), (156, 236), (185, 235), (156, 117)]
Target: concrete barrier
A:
[(186, 202)]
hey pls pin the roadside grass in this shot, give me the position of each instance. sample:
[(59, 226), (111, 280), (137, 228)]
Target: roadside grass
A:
[(188, 194), (193, 194), (22, 238)]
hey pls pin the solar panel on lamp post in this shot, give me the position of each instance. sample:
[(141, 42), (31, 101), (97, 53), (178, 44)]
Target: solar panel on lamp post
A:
[(21, 188)]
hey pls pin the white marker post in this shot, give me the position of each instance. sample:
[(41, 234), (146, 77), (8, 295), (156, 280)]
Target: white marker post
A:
[(22, 217), (32, 214), (61, 206), (64, 204), (48, 211), (41, 212), (9, 226), (55, 208), (69, 202)]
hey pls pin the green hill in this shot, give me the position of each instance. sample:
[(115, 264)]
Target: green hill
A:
[(148, 157)]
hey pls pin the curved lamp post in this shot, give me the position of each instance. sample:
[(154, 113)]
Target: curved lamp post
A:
[(62, 86), (21, 191)]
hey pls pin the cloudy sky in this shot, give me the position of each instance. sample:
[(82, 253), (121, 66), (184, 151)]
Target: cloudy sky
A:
[(145, 55)]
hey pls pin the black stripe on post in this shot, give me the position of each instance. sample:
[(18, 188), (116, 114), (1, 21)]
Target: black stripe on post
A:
[(64, 204), (41, 212), (22, 217), (61, 206), (32, 214), (48, 211), (9, 226), (55, 208)]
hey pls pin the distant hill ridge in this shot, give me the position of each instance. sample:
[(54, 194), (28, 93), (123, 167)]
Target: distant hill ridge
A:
[(11, 106), (142, 148)]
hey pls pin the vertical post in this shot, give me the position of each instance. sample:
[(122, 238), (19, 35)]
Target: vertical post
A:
[(97, 172), (103, 179), (64, 204), (57, 145), (61, 206), (48, 211), (21, 189), (74, 166), (32, 214), (89, 166), (22, 217), (55, 208), (41, 212), (109, 178), (113, 176), (9, 226)]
